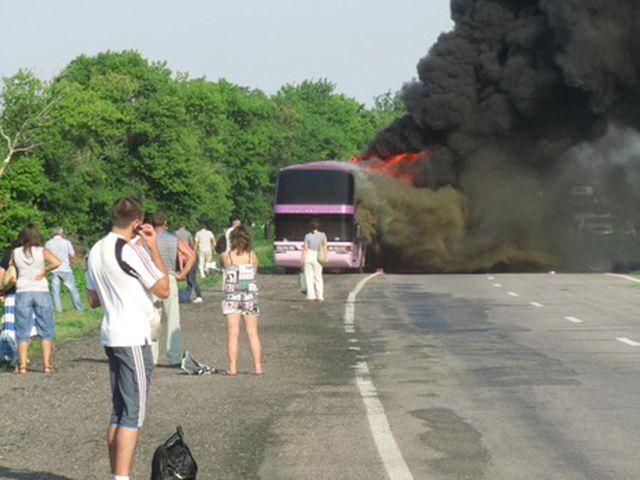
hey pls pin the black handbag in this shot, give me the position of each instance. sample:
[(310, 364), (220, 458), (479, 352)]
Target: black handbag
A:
[(173, 460)]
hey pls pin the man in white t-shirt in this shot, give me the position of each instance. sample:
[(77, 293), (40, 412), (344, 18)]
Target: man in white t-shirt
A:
[(63, 249), (205, 242), (121, 277), (227, 234)]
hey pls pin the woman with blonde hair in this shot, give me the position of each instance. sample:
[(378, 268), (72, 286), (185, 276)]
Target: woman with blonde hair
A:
[(241, 298)]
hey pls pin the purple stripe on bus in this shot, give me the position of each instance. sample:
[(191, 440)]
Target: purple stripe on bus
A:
[(339, 209)]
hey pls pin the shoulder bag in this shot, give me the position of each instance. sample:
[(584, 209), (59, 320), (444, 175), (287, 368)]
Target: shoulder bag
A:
[(10, 276), (323, 253)]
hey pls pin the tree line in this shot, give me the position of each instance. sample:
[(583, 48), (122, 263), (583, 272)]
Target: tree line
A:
[(203, 151)]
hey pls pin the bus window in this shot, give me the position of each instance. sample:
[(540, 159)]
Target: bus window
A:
[(338, 228), (320, 187)]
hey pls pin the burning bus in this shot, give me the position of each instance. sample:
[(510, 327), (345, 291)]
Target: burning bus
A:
[(322, 190)]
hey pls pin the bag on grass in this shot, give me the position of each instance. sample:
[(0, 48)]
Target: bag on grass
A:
[(172, 460), (8, 347), (302, 282), (184, 296)]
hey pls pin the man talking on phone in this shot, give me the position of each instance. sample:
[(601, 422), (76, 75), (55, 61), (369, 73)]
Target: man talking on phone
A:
[(121, 277)]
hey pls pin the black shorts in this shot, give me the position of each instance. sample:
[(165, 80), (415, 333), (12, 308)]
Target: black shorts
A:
[(130, 371)]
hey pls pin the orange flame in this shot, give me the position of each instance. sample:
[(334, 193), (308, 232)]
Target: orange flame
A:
[(398, 166)]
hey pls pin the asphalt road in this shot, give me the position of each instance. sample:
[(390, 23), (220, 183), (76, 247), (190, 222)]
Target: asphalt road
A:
[(457, 376), (507, 376)]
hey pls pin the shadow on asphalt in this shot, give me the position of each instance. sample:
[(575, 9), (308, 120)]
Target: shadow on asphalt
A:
[(90, 360), (11, 474)]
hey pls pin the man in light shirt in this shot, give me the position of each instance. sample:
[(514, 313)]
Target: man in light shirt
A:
[(63, 249), (227, 234), (205, 241), (121, 277)]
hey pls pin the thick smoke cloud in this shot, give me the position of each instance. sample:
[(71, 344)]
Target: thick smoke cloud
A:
[(502, 102)]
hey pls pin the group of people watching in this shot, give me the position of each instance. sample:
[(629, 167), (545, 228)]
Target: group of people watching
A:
[(132, 273)]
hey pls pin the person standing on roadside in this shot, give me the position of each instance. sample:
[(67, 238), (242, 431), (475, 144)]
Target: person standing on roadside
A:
[(121, 276), (313, 242), (171, 248), (192, 278), (205, 241), (33, 301), (227, 234), (241, 298), (63, 249)]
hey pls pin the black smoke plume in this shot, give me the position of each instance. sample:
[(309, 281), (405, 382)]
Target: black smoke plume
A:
[(505, 104)]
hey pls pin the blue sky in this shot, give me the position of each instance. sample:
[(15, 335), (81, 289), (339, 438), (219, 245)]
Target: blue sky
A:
[(365, 47)]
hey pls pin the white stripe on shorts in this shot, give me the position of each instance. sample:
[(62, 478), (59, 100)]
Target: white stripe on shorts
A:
[(141, 375)]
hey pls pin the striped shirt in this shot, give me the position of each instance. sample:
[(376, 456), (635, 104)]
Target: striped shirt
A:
[(122, 274)]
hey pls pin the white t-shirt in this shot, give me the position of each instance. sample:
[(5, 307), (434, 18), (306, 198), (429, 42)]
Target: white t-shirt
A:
[(28, 268), (122, 274), (204, 238), (63, 249)]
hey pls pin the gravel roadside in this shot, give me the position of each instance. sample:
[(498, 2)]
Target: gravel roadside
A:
[(54, 426)]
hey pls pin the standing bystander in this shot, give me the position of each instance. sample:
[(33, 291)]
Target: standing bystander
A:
[(227, 233), (171, 248), (121, 276), (192, 278), (33, 302), (205, 240), (63, 249)]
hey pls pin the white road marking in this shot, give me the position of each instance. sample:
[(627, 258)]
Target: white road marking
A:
[(491, 278), (574, 319), (626, 277), (628, 341), (353, 340), (536, 304), (354, 349), (513, 294), (497, 285), (388, 449)]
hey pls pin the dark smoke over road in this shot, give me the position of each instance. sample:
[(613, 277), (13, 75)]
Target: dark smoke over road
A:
[(530, 111)]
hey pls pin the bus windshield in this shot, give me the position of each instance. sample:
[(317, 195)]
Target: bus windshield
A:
[(338, 228), (319, 187)]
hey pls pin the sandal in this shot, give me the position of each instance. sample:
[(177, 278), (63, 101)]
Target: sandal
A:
[(48, 370), (20, 370)]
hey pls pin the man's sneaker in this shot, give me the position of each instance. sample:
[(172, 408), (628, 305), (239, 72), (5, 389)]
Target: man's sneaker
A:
[(197, 300)]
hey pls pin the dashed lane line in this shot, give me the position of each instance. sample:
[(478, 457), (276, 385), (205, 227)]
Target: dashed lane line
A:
[(628, 341), (498, 285), (574, 319), (386, 444), (536, 304), (513, 294)]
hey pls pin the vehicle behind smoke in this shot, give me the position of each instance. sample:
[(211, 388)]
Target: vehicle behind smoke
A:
[(322, 190)]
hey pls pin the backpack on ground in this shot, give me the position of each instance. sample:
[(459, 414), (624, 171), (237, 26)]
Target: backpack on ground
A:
[(173, 460)]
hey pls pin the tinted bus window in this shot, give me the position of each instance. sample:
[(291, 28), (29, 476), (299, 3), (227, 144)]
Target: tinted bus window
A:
[(339, 228), (320, 187)]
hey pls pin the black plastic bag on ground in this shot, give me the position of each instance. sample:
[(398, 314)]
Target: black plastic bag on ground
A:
[(173, 460)]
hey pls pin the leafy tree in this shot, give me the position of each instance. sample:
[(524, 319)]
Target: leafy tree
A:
[(321, 124)]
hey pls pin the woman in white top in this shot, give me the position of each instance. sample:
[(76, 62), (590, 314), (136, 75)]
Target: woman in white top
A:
[(33, 302), (314, 241)]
